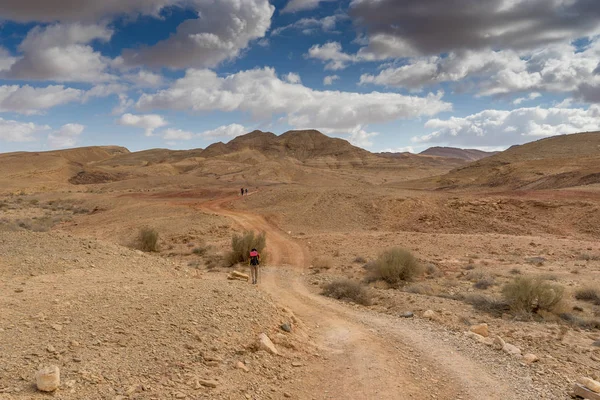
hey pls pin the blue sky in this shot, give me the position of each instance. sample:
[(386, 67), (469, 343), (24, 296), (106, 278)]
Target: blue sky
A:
[(384, 74)]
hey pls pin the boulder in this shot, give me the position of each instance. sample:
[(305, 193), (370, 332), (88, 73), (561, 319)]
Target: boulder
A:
[(47, 379), (238, 275), (481, 329), (591, 384), (498, 343), (512, 350), (264, 343), (429, 314), (530, 358)]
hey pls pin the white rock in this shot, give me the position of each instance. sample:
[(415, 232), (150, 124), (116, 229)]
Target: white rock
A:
[(264, 343), (511, 349), (242, 366), (47, 379), (591, 384), (498, 343), (429, 314), (530, 358)]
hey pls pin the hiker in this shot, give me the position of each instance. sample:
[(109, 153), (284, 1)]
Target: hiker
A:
[(254, 263), (246, 191), (242, 191)]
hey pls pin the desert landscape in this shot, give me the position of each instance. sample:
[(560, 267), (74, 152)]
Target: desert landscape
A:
[(499, 297)]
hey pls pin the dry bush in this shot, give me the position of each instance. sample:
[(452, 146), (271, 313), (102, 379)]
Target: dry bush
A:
[(487, 304), (241, 245), (200, 250), (394, 266), (420, 289), (515, 271), (433, 271), (588, 294), (345, 289), (530, 295), (485, 282), (322, 263), (469, 267), (581, 322), (588, 257), (148, 240), (360, 260)]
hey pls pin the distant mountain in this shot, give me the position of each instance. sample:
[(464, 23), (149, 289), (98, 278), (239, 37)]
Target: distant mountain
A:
[(453, 152)]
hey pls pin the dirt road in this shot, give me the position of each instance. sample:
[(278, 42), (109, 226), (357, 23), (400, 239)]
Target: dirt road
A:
[(365, 355)]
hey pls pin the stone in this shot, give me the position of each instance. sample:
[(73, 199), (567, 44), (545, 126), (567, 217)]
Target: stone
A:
[(429, 314), (264, 343), (530, 358), (591, 384), (242, 366), (479, 338), (180, 395), (407, 314), (57, 327), (481, 329), (239, 276), (287, 395), (511, 349), (51, 349), (498, 343), (208, 383), (286, 327), (47, 379), (296, 364)]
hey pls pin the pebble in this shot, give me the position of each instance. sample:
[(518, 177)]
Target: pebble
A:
[(264, 343), (286, 328), (47, 379), (481, 329), (208, 383), (407, 314), (242, 366)]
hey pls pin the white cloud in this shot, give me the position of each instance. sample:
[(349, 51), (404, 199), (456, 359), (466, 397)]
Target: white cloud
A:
[(226, 132), (145, 79), (125, 103), (293, 77), (61, 53), (14, 131), (66, 136), (328, 80), (30, 100), (310, 25), (6, 60), (332, 53), (222, 30), (302, 5), (262, 94), (494, 128), (405, 149), (532, 96), (149, 122), (177, 134)]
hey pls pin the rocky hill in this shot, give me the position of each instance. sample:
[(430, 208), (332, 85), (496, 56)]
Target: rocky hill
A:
[(453, 152)]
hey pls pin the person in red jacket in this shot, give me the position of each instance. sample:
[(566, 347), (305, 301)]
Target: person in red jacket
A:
[(254, 263)]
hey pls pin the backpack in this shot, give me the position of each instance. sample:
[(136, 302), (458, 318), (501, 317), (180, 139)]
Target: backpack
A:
[(254, 258)]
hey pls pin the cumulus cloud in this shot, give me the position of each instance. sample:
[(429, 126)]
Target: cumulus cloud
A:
[(532, 96), (30, 100), (328, 80), (302, 5), (66, 136), (332, 53), (145, 79), (262, 94), (222, 30), (409, 27), (62, 53), (225, 132), (149, 122), (177, 134), (504, 128), (293, 77), (310, 25), (15, 131)]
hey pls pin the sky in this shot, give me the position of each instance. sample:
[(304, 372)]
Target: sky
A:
[(386, 75)]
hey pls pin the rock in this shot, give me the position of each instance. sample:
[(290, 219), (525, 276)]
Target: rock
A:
[(57, 327), (530, 358), (498, 343), (264, 343), (481, 329), (407, 314), (242, 366), (19, 290), (511, 349), (180, 395), (47, 379), (479, 338), (287, 395), (51, 349), (286, 327), (429, 314), (238, 275), (591, 384), (208, 383), (296, 364)]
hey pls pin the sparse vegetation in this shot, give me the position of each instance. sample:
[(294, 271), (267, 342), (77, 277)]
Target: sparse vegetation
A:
[(360, 260), (530, 295), (322, 263), (485, 282), (584, 323), (241, 245), (348, 290), (515, 271), (588, 257), (200, 250), (420, 289), (487, 304), (394, 266), (588, 294), (148, 240)]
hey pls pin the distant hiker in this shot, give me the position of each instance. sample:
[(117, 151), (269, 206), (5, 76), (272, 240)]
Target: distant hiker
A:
[(246, 191), (254, 263), (242, 191)]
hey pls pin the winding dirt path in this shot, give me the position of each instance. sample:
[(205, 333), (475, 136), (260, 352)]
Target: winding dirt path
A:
[(366, 355)]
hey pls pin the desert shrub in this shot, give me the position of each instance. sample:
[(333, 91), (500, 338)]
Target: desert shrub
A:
[(322, 263), (200, 250), (588, 257), (394, 266), (515, 271), (584, 323), (148, 240), (529, 295), (360, 260), (241, 245), (485, 282), (420, 289), (469, 267), (548, 277), (433, 271), (588, 294), (345, 289), (487, 304)]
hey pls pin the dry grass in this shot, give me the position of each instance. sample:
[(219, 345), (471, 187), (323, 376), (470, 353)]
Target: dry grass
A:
[(584, 323), (241, 245), (322, 263), (530, 295), (148, 240), (588, 294), (394, 266), (348, 290), (487, 304), (485, 282)]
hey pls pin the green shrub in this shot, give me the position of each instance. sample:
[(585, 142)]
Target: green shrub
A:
[(345, 289), (530, 295), (148, 240), (588, 294), (394, 266), (241, 245)]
